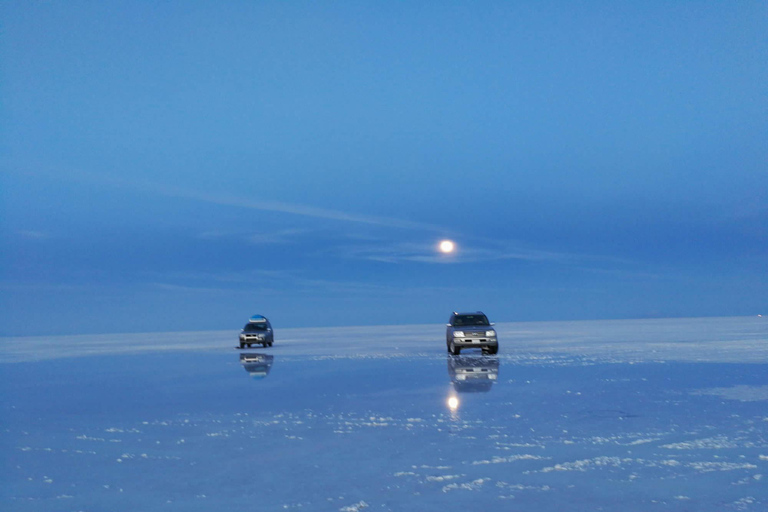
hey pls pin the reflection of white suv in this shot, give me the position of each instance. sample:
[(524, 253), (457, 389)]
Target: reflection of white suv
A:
[(470, 330), (473, 374), (257, 365)]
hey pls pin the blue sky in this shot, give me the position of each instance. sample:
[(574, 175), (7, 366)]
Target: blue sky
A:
[(182, 166)]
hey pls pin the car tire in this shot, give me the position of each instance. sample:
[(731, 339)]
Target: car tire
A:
[(249, 345), (493, 350), (270, 343), (453, 349), (242, 345)]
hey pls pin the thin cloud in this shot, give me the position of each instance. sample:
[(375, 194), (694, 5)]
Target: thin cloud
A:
[(279, 237), (385, 251), (629, 274), (43, 287), (173, 287), (230, 199), (291, 208), (427, 253), (273, 282), (34, 235), (247, 278)]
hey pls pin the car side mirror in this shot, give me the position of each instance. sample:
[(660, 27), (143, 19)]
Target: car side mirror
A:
[(448, 325), (493, 323)]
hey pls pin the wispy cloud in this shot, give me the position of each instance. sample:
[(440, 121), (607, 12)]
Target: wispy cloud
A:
[(14, 287), (246, 278), (34, 235), (223, 199), (273, 282), (428, 253), (282, 236), (290, 208), (359, 243)]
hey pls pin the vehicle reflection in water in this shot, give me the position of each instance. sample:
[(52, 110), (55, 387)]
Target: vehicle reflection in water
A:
[(470, 374), (257, 365), (473, 374)]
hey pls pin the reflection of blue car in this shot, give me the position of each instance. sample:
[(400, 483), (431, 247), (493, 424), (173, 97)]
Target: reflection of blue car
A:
[(473, 374), (258, 330), (257, 365)]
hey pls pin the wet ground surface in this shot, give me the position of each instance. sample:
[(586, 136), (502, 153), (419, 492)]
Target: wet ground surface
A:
[(284, 428)]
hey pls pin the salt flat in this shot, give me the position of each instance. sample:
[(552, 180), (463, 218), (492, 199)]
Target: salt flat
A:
[(738, 339), (613, 415)]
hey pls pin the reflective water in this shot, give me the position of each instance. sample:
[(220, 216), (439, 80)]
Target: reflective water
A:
[(283, 429)]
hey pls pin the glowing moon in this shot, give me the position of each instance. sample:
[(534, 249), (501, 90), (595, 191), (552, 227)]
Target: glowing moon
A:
[(447, 246)]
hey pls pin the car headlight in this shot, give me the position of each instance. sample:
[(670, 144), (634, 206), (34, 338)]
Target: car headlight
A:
[(458, 334), (490, 333)]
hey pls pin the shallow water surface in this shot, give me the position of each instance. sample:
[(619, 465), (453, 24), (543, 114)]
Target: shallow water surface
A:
[(281, 430)]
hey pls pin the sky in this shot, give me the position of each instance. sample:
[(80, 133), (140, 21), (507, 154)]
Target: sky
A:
[(180, 166)]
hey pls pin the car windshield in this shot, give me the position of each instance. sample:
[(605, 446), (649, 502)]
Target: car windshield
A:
[(469, 320), (252, 327)]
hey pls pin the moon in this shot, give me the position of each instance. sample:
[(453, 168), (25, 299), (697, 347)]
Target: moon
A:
[(447, 246)]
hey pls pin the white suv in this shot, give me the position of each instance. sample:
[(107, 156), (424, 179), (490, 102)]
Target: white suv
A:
[(470, 330)]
